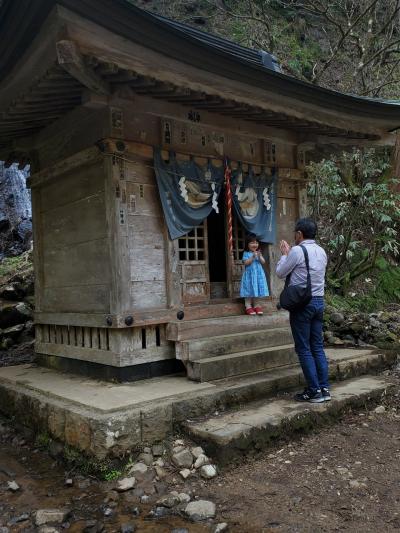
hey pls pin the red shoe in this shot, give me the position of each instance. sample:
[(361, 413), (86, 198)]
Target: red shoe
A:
[(250, 311), (258, 311)]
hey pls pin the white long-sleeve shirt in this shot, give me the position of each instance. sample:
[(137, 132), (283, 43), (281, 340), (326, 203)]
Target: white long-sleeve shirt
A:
[(294, 264)]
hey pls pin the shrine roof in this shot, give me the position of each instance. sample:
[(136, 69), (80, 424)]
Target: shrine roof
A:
[(194, 68)]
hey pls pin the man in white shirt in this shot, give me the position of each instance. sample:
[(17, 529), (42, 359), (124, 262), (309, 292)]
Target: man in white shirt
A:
[(307, 323)]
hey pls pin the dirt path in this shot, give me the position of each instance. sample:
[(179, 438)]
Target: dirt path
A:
[(343, 478)]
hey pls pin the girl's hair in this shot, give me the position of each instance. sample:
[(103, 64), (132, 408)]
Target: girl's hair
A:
[(250, 237)]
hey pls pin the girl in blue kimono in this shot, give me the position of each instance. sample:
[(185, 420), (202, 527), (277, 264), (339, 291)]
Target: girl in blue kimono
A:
[(254, 283)]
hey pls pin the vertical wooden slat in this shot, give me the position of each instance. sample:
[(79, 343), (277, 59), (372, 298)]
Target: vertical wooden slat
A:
[(53, 338), (39, 333), (79, 336), (103, 339), (87, 337), (150, 336), (136, 338)]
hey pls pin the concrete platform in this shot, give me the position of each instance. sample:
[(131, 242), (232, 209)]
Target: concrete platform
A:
[(260, 423), (105, 419)]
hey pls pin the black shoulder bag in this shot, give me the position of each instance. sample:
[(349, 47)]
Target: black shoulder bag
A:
[(295, 297)]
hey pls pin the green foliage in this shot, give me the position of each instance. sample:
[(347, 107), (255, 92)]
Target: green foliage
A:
[(90, 466), (358, 213), (296, 56), (9, 265), (111, 475), (42, 440)]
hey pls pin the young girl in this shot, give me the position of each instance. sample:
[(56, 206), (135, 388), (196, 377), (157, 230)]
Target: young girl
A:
[(254, 283)]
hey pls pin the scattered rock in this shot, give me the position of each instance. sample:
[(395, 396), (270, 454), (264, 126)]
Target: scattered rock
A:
[(4, 530), (179, 530), (159, 462), (18, 519), (177, 449), (185, 473), (48, 529), (145, 498), (49, 516), (69, 482), (108, 511), (183, 459), (138, 469), (125, 484), (197, 451), (128, 528), (135, 511), (201, 461), (219, 528), (158, 450), (12, 314), (146, 458), (208, 471), (169, 500), (13, 292), (179, 442), (380, 409), (183, 497), (200, 510), (159, 512), (337, 318), (14, 331), (161, 473), (13, 486)]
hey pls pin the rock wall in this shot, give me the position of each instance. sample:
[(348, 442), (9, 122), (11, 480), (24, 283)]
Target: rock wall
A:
[(15, 211)]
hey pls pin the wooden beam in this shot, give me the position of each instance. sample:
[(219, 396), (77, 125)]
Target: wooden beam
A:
[(70, 58)]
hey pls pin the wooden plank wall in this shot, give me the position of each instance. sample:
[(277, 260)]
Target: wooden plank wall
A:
[(286, 214), (75, 254), (147, 237)]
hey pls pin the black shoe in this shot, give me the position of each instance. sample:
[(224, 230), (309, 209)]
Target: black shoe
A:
[(309, 396), (326, 394)]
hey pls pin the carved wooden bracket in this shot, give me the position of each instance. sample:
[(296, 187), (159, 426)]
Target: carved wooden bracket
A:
[(70, 59)]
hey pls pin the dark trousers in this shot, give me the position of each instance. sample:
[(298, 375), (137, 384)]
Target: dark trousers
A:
[(307, 332)]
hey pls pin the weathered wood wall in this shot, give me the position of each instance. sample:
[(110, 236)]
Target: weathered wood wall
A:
[(71, 234)]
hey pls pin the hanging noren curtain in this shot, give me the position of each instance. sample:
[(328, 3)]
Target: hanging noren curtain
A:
[(188, 192), (254, 200)]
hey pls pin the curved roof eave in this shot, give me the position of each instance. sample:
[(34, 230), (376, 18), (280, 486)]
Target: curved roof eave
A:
[(21, 20)]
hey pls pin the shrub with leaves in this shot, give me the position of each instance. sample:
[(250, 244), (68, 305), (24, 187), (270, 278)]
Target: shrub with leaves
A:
[(357, 206)]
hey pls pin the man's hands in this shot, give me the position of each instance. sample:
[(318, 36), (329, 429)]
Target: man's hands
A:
[(284, 247)]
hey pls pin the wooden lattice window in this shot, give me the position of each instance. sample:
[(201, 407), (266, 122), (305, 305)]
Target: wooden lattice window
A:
[(238, 235), (191, 247)]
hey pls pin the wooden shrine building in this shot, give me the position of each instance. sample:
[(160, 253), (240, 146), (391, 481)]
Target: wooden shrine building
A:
[(125, 118)]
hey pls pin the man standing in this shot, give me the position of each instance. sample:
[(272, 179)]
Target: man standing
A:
[(306, 323)]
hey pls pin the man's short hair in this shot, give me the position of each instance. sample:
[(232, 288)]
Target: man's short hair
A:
[(307, 226)]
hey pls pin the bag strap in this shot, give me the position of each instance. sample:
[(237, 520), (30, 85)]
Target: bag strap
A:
[(305, 252)]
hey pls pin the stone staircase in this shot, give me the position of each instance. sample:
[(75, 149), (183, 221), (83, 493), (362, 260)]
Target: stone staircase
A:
[(217, 348)]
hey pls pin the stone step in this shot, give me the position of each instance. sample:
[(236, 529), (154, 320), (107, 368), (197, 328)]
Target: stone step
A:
[(215, 346), (259, 424), (210, 327), (235, 364)]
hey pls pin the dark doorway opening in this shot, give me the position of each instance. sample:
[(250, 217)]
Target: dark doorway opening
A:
[(217, 251)]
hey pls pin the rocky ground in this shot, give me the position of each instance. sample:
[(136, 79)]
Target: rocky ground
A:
[(343, 478), (16, 310)]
